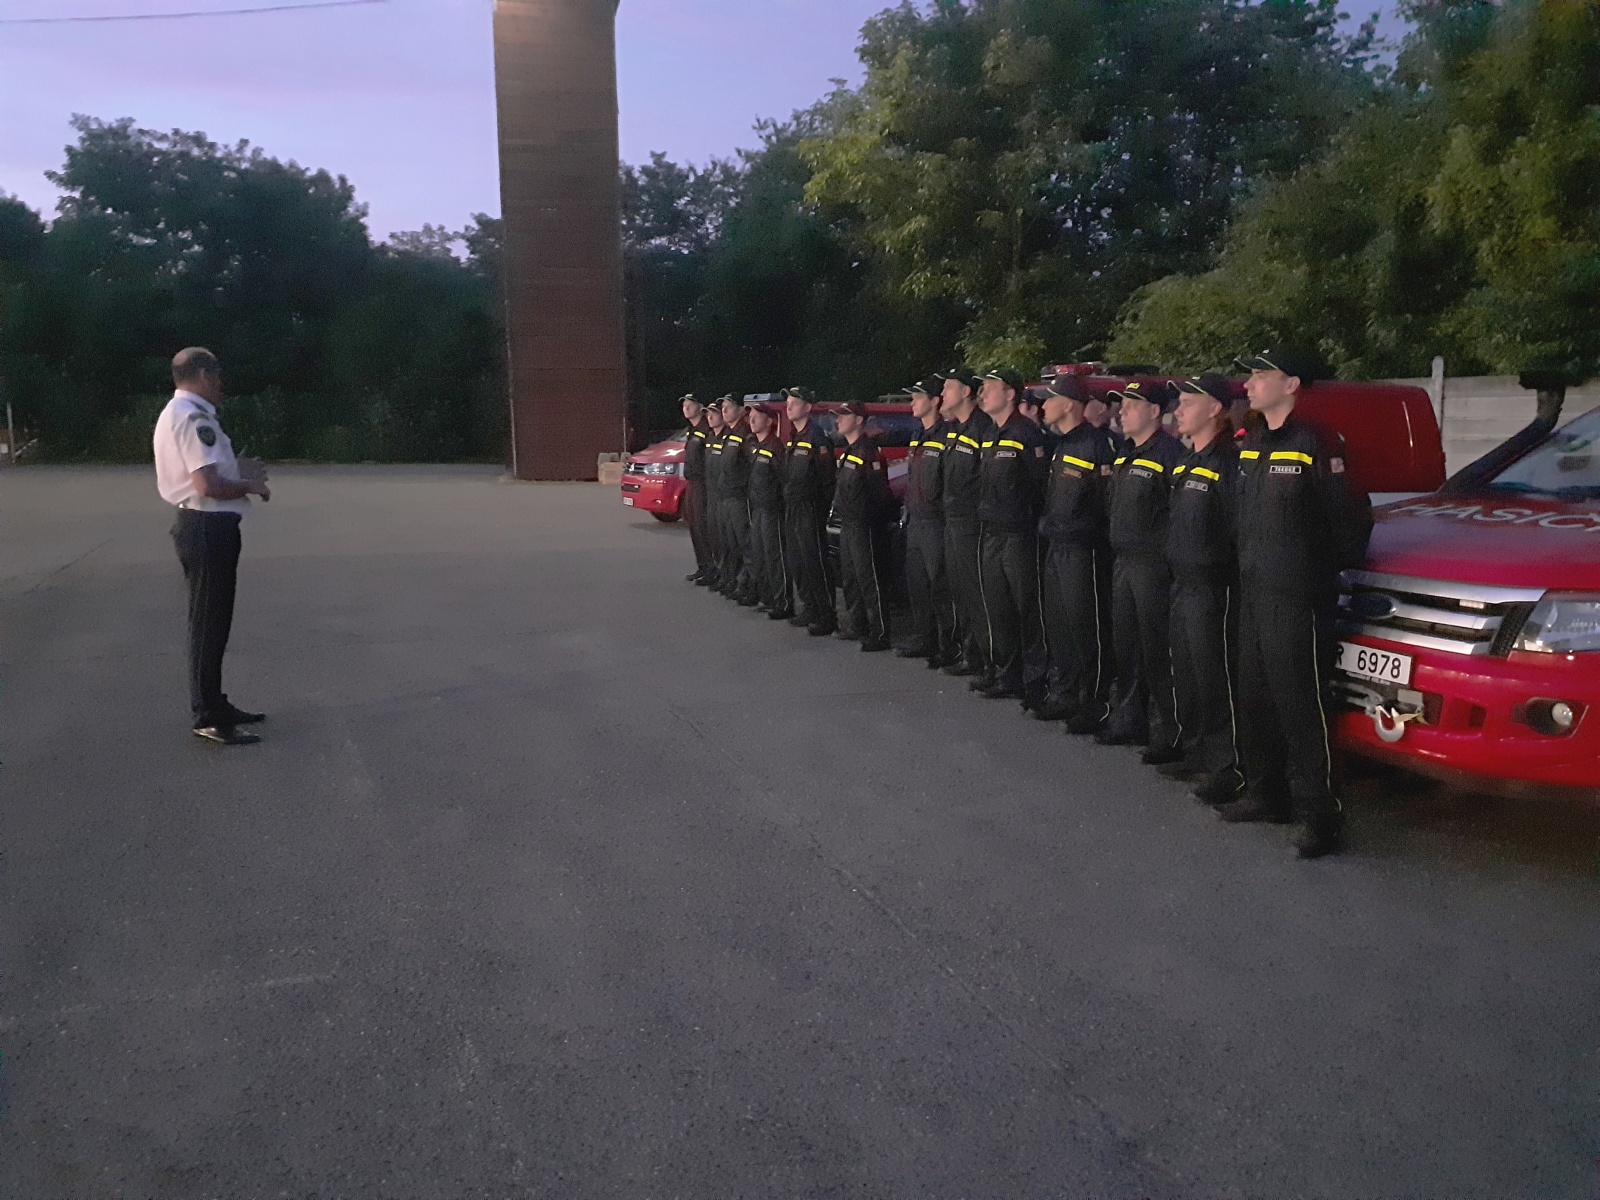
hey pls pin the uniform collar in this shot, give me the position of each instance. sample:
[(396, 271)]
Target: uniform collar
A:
[(199, 402)]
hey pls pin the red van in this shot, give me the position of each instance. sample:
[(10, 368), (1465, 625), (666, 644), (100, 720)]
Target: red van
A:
[(652, 480), (1471, 633)]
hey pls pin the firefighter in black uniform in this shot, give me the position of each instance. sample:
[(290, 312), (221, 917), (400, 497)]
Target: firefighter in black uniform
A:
[(1204, 562), (694, 487), (967, 427), (733, 505), (865, 507), (712, 520), (1011, 489), (932, 612), (769, 577), (808, 480), (1144, 709), (1299, 524), (1078, 563)]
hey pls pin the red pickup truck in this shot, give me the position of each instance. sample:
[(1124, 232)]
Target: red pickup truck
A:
[(1471, 633)]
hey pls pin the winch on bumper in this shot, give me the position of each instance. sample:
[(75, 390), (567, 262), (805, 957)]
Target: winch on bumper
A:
[(1469, 708)]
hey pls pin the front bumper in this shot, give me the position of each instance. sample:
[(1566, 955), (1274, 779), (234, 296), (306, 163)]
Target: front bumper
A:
[(1475, 730), (657, 494)]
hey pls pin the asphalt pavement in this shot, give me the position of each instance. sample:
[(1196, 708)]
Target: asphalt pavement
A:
[(556, 876)]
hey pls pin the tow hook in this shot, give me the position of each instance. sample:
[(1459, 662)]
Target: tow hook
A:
[(1390, 723)]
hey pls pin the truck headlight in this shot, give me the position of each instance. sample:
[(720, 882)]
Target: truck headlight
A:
[(1563, 623)]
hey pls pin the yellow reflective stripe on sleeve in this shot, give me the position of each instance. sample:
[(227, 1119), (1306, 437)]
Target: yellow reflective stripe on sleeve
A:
[(988, 446), (1078, 462), (1249, 454), (1293, 456), (854, 459), (1152, 464), (1012, 444), (1207, 473), (969, 442), (1179, 470), (1122, 460), (807, 445), (764, 453)]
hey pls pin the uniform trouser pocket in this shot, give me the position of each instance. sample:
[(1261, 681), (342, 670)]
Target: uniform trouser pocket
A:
[(1203, 636), (208, 546), (1283, 722)]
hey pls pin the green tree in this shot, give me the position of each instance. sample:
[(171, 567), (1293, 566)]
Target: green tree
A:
[(1458, 215), (1031, 162)]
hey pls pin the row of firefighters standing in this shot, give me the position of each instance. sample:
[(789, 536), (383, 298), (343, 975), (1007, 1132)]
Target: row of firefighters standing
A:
[(1146, 592)]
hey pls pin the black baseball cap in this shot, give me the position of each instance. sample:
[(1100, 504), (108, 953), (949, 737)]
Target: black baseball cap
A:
[(928, 387), (1158, 394), (800, 393), (1069, 387), (855, 408), (1304, 366), (960, 375), (1010, 378), (691, 398), (1215, 386)]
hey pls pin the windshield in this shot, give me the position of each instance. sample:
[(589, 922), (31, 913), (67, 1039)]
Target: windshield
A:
[(1565, 464)]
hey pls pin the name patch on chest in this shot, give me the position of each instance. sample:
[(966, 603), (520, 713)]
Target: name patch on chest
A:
[(1195, 485), (1005, 453), (1284, 469), (1140, 472)]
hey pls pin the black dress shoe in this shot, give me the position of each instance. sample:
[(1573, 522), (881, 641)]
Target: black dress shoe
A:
[(800, 621), (692, 577), (1182, 769), (226, 735), (820, 630), (747, 601), (1114, 737), (911, 650), (847, 635), (1056, 709), (1217, 790), (238, 716), (779, 614), (1251, 808), (1083, 724), (961, 667), (982, 683), (1159, 756), (1002, 692), (1320, 836), (874, 645)]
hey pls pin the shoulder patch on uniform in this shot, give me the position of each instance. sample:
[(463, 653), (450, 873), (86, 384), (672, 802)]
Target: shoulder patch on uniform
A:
[(1336, 465), (206, 434)]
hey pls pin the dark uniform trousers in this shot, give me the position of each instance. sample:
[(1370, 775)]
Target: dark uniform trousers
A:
[(208, 546), (963, 548), (1142, 700), (1010, 583), (768, 572), (932, 608), (1285, 655), (1204, 633), (1079, 595), (694, 515), (805, 547), (863, 555), (733, 527)]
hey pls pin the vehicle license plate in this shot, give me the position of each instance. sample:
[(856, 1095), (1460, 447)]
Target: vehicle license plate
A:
[(628, 500), (1380, 666)]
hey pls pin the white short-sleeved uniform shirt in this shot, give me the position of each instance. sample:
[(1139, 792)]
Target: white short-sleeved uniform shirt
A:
[(188, 436)]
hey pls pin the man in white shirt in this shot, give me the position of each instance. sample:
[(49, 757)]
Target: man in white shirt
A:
[(196, 472)]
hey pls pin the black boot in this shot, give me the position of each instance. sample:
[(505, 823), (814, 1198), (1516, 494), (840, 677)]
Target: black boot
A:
[(1253, 806), (1157, 756)]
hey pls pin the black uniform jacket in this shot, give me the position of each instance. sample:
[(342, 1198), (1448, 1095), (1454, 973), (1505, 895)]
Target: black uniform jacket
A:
[(714, 462), (1299, 523), (862, 495), (808, 468), (1200, 542), (766, 474), (736, 443), (963, 452), (1013, 475), (1141, 485), (1075, 495), (925, 476), (694, 451)]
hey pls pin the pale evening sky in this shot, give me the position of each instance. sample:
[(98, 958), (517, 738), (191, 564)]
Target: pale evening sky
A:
[(399, 96)]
